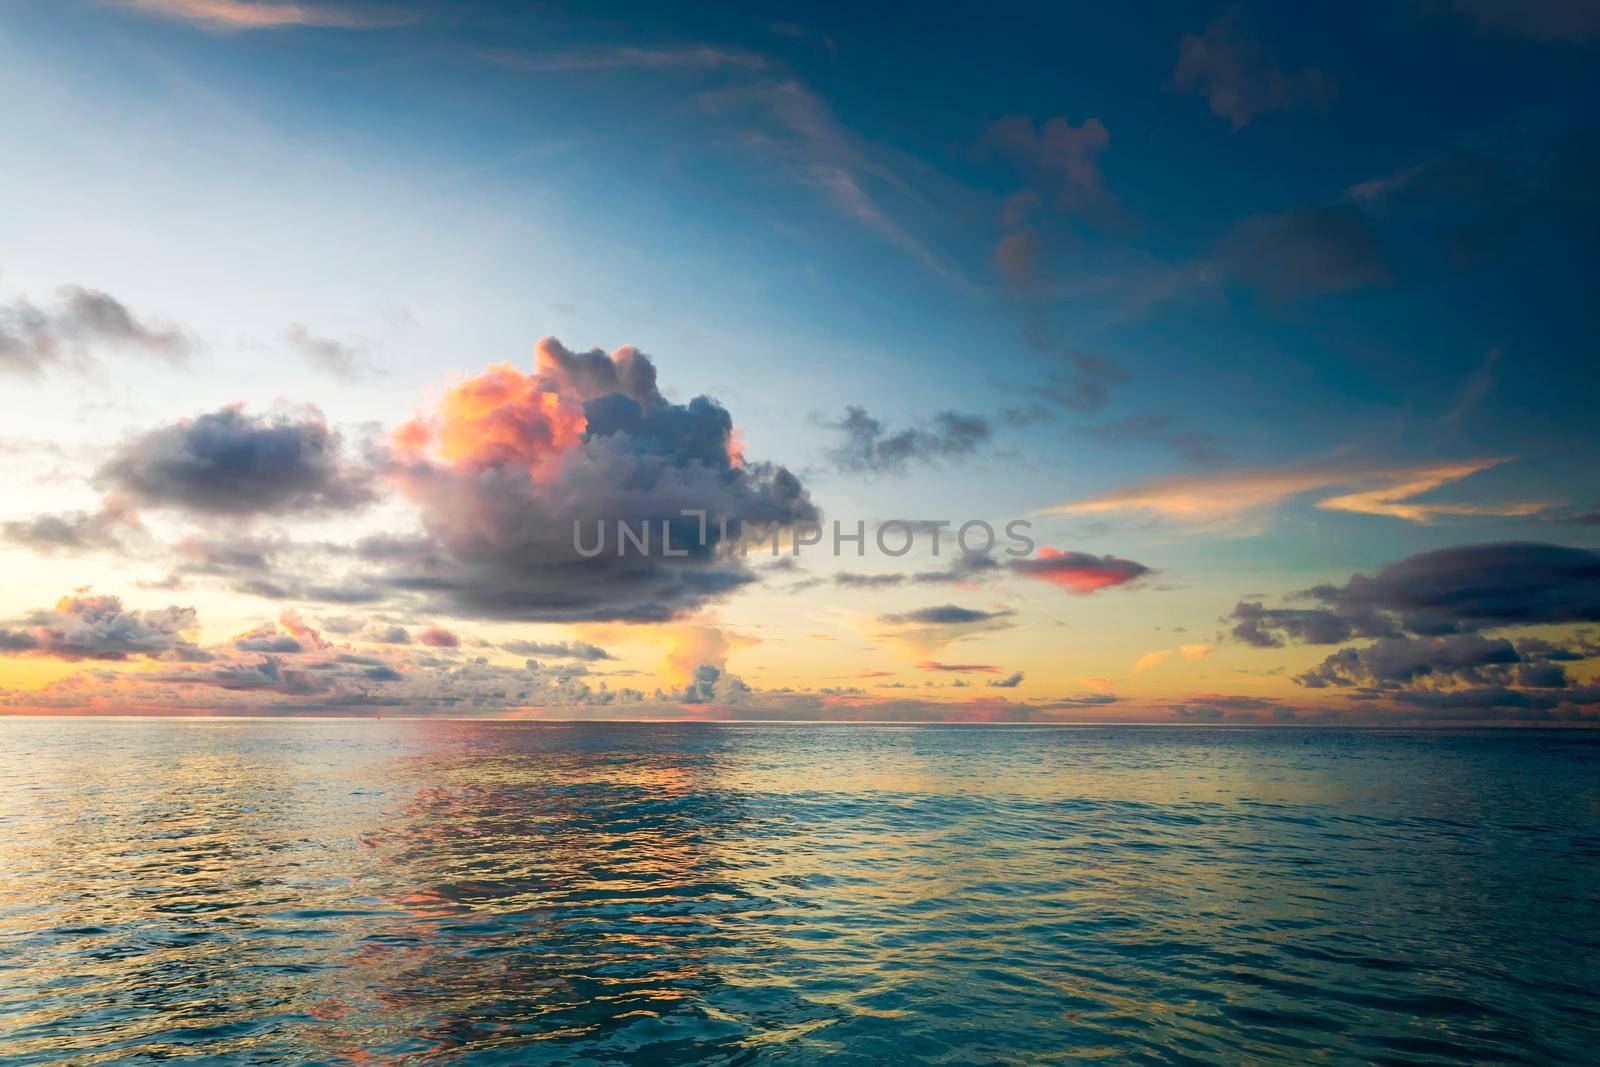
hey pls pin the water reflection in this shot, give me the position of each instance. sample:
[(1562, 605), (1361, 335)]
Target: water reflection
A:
[(444, 892)]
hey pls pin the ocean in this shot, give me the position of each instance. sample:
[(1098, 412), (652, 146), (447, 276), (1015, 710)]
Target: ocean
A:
[(482, 892)]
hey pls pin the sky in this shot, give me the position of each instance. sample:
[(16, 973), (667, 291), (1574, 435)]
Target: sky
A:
[(1260, 336)]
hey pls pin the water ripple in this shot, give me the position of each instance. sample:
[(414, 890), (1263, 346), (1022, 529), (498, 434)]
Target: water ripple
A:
[(496, 893)]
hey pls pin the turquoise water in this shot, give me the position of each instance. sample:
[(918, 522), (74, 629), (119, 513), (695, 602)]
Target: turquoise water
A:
[(503, 893)]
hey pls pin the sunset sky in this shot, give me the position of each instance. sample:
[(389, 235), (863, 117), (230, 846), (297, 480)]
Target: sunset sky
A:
[(321, 324)]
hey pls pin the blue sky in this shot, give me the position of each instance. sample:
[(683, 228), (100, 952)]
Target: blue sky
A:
[(1153, 242)]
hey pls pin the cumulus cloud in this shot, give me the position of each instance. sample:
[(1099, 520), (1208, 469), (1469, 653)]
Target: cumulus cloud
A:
[(1446, 591), (1425, 615), (1010, 681), (82, 323), (1080, 572), (710, 684), (867, 447), (226, 462), (1397, 661), (1263, 627), (512, 469), (84, 627), (1238, 77)]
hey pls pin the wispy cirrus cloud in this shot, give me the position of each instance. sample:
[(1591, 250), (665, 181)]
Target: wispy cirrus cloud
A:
[(788, 121), (684, 57), (237, 15), (1228, 497)]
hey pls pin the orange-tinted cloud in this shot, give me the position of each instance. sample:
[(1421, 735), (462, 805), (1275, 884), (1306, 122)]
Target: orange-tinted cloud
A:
[(1229, 496), (500, 418), (1149, 660), (264, 14), (1080, 572)]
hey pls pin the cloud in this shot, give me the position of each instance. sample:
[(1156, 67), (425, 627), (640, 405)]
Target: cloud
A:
[(1396, 661), (511, 470), (1237, 76), (1080, 572), (784, 119), (697, 57), (342, 362), (1083, 385), (1063, 159), (111, 527), (1397, 500), (1537, 20), (928, 630), (276, 568), (1440, 592), (868, 448), (83, 627), (964, 569), (228, 463), (235, 15), (1150, 660), (389, 635), (1306, 251), (1228, 496), (1017, 258), (693, 646), (851, 580), (1482, 586), (1010, 681), (1197, 651), (1164, 429), (1498, 194), (439, 637), (581, 650), (713, 685), (83, 322), (1263, 627), (957, 668)]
